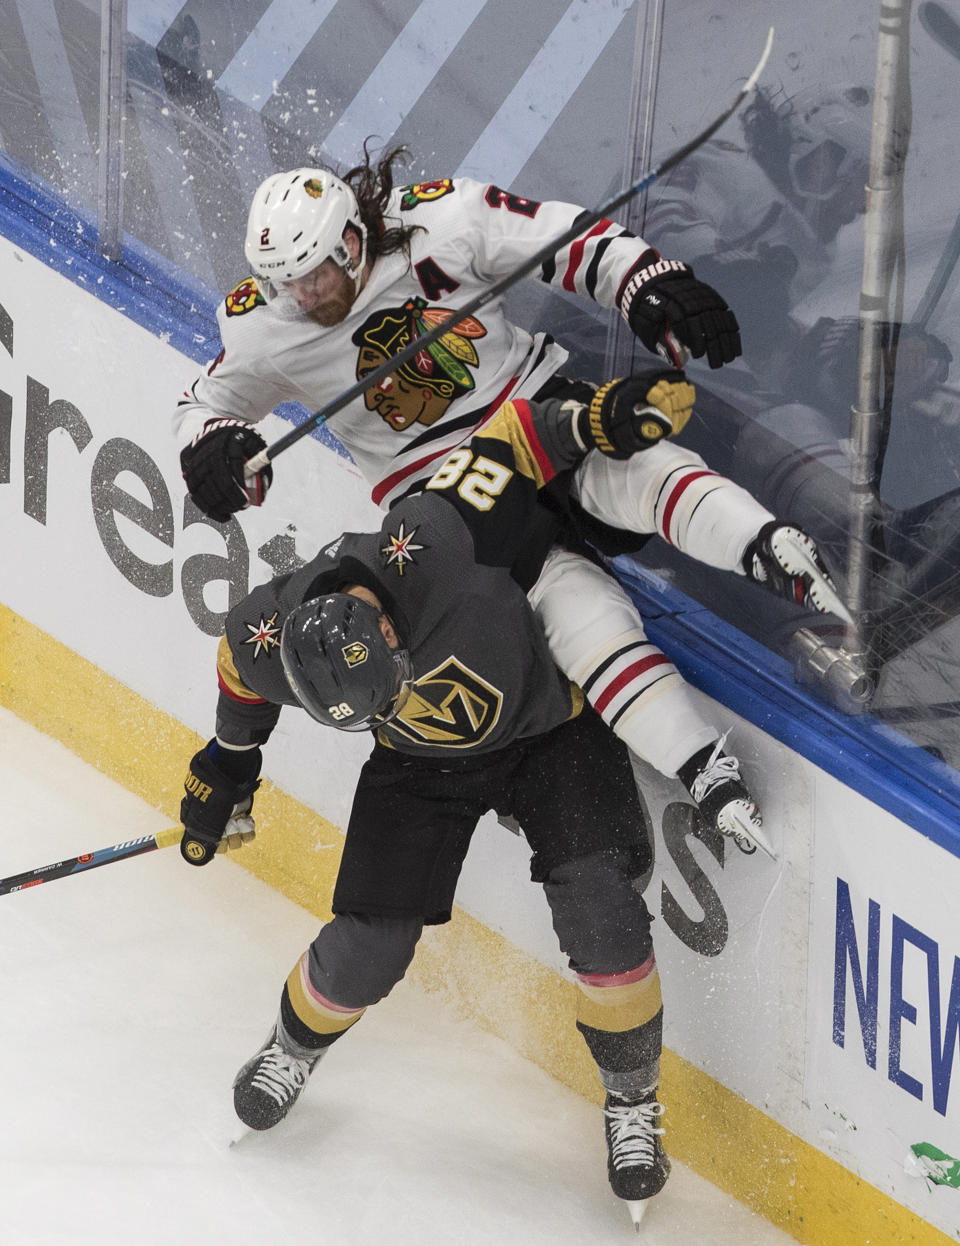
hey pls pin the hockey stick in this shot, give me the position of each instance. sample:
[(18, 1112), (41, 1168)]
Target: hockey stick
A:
[(117, 852), (582, 226)]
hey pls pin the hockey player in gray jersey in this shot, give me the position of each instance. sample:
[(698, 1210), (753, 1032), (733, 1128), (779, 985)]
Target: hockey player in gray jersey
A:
[(349, 271), (420, 634)]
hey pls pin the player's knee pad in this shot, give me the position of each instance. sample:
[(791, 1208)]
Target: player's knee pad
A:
[(596, 637), (356, 960), (599, 915), (581, 608)]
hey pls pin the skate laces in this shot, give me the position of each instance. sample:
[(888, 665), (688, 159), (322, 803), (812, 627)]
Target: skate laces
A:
[(281, 1075), (716, 771), (634, 1131)]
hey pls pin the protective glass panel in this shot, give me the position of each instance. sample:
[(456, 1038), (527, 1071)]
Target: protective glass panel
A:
[(220, 95), (570, 101), (772, 212)]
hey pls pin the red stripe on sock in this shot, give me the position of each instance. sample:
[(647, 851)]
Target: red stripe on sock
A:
[(626, 676), (620, 979), (674, 499)]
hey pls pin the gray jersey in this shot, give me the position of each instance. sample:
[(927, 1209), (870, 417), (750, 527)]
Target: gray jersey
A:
[(441, 566)]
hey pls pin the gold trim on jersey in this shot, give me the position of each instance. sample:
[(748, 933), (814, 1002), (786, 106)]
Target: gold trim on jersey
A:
[(230, 680), (508, 425)]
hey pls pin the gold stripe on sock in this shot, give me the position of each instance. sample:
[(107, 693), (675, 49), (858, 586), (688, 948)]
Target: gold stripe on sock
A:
[(619, 1008), (311, 1011)]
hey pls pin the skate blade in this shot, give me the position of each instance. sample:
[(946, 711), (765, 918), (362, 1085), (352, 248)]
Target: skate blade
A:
[(240, 1135), (757, 837), (828, 602), (794, 553), (737, 825), (637, 1207)]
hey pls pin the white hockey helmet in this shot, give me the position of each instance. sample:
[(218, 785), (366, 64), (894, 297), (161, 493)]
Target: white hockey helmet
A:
[(296, 222), (829, 134)]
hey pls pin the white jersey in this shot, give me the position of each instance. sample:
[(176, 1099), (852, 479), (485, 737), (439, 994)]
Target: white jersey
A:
[(472, 235), (401, 431)]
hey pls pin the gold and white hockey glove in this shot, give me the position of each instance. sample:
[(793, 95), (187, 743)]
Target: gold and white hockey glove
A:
[(633, 413)]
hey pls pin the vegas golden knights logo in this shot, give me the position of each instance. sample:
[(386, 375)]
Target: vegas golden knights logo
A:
[(354, 653), (451, 706)]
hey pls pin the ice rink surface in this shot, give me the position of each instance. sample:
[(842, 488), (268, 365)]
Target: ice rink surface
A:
[(134, 992)]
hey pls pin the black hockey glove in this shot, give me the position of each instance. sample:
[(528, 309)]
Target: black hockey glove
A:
[(635, 412), (785, 560), (219, 786), (663, 298), (212, 466)]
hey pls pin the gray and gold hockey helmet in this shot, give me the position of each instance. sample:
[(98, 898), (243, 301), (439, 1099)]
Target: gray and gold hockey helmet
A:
[(339, 664)]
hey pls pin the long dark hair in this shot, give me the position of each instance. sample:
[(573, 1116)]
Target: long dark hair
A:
[(372, 183)]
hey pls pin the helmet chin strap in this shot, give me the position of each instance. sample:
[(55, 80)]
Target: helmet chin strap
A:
[(355, 270)]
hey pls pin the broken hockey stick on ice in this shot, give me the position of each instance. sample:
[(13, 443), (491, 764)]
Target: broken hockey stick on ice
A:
[(582, 226), (242, 832)]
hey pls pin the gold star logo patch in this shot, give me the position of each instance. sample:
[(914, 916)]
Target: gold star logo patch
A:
[(264, 635), (399, 549)]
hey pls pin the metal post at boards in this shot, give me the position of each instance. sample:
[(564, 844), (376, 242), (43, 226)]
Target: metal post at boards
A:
[(113, 94)]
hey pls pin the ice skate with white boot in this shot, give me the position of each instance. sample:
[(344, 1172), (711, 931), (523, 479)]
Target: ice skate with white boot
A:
[(269, 1084), (713, 779), (637, 1164), (785, 560)]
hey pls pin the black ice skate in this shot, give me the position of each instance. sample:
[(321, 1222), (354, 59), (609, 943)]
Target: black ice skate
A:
[(712, 778), (636, 1161), (269, 1084)]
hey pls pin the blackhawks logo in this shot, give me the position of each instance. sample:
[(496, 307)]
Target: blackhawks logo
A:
[(425, 192), (421, 390), (245, 297)]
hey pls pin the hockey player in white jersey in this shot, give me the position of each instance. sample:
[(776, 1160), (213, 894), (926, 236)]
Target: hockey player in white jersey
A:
[(348, 271)]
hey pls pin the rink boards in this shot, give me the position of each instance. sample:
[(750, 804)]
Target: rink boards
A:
[(813, 1004)]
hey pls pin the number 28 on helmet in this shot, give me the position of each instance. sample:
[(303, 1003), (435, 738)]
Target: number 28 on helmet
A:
[(341, 666)]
